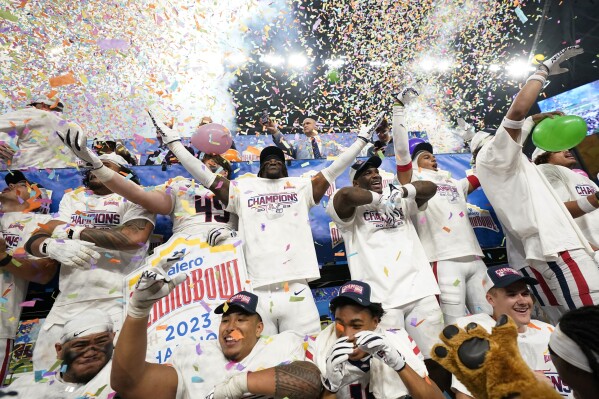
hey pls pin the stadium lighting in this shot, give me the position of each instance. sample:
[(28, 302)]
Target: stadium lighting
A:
[(443, 65), (335, 63), (297, 60), (237, 58), (272, 59), (428, 64), (518, 68), (494, 67), (378, 64)]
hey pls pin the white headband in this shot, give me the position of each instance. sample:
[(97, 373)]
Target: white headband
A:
[(567, 349), (86, 323)]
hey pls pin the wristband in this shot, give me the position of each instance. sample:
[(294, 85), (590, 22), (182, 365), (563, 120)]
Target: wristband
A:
[(6, 260), (103, 173), (510, 124), (404, 168), (74, 233), (410, 191), (376, 198), (44, 247), (363, 138), (473, 180), (538, 77), (585, 205)]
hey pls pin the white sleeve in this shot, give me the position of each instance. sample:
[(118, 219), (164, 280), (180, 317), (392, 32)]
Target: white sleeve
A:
[(556, 180), (463, 185), (333, 213), (133, 211), (16, 120), (309, 192), (501, 152), (234, 205), (66, 207)]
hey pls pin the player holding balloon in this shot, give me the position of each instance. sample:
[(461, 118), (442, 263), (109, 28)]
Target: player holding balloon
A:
[(443, 226), (540, 228), (272, 207)]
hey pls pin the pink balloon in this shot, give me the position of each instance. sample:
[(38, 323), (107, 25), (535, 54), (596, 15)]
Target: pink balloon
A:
[(212, 138), (580, 172)]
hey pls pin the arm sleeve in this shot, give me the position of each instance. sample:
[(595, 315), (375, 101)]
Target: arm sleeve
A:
[(502, 152), (343, 161), (400, 139), (193, 165)]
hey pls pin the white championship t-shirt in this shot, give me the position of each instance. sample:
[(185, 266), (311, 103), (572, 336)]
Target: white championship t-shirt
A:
[(16, 229), (201, 365), (386, 253), (33, 131), (524, 201), (571, 186), (273, 220), (533, 345), (195, 209), (51, 386), (105, 279), (444, 226), (364, 378)]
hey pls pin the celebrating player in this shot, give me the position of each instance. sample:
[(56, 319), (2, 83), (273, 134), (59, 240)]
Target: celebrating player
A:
[(357, 359), (509, 294), (240, 362), (271, 208), (541, 231), (386, 252), (85, 348), (443, 227), (90, 222)]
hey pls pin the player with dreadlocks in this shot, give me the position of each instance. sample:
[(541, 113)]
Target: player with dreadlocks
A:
[(574, 348)]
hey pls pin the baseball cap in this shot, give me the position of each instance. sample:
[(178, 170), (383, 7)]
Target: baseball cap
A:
[(357, 291), (92, 321), (58, 105), (114, 158), (271, 151), (537, 153), (503, 276), (360, 166), (479, 139), (244, 300)]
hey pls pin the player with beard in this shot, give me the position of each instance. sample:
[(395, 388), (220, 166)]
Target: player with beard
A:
[(190, 205), (387, 253), (579, 193), (242, 361), (279, 269), (443, 227), (508, 292), (359, 360), (22, 204), (90, 220), (85, 348)]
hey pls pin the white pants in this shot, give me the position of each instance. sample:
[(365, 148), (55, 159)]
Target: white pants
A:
[(44, 351), (550, 311), (6, 345), (572, 281), (461, 284), (284, 309), (422, 319)]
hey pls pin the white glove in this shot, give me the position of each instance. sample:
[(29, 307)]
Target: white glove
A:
[(219, 234), (407, 95), (153, 285), (389, 202), (466, 130), (379, 347), (553, 63), (76, 141), (337, 361), (72, 253), (168, 135), (234, 388), (366, 132), (67, 232)]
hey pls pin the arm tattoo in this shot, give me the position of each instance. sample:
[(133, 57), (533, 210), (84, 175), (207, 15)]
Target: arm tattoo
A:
[(118, 237), (298, 380)]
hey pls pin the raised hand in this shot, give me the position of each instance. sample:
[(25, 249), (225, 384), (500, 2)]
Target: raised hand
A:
[(407, 95), (76, 141), (379, 347), (336, 363), (366, 132), (553, 63), (153, 285), (167, 134)]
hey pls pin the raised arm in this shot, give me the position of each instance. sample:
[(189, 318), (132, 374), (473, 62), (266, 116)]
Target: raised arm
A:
[(131, 376), (37, 270), (403, 160), (347, 199), (279, 139), (217, 184), (324, 178), (525, 99)]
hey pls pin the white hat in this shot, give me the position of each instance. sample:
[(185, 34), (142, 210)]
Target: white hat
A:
[(479, 139), (115, 159), (86, 323), (537, 152), (58, 105)]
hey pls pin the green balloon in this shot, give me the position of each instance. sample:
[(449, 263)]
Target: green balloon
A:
[(559, 133), (333, 76)]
